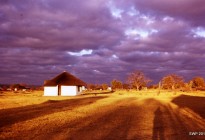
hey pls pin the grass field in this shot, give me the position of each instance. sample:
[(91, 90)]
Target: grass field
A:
[(143, 115)]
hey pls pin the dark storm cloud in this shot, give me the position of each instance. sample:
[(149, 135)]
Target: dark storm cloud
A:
[(190, 10), (58, 25), (100, 40)]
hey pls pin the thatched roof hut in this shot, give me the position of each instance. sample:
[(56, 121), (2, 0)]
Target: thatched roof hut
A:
[(64, 84)]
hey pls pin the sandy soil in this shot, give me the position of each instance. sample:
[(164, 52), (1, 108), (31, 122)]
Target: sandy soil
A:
[(116, 116)]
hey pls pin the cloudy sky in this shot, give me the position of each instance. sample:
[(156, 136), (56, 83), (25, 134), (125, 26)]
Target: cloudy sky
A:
[(99, 40)]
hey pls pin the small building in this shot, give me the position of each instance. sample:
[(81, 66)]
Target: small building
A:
[(64, 84), (109, 88)]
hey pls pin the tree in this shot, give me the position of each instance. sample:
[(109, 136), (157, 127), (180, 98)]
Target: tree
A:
[(16, 86), (91, 86), (154, 86), (188, 86), (116, 84), (98, 87), (198, 82), (126, 86), (172, 81), (137, 79), (104, 86)]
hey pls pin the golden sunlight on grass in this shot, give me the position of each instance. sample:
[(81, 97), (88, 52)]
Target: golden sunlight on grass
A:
[(120, 115)]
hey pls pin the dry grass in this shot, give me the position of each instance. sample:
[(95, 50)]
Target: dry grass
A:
[(103, 115)]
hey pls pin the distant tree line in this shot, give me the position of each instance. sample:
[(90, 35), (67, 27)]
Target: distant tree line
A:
[(173, 81), (103, 86), (17, 87), (137, 80)]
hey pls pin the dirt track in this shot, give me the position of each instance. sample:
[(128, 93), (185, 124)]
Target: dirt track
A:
[(106, 117)]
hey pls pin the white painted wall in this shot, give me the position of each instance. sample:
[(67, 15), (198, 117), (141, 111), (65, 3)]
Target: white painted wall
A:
[(80, 89), (83, 87), (69, 90), (51, 91)]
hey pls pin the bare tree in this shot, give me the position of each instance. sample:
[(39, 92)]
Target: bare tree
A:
[(172, 81), (138, 79)]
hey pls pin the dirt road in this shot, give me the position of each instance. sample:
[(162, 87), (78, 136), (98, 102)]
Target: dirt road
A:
[(113, 117)]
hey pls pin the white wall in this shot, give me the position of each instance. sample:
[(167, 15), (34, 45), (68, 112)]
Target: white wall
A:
[(80, 89), (83, 88), (69, 90), (51, 91)]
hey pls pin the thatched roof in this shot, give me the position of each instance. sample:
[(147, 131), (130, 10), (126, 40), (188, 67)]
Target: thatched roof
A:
[(64, 78)]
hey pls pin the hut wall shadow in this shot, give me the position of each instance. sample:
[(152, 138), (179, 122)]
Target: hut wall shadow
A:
[(158, 125), (15, 115), (196, 104)]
